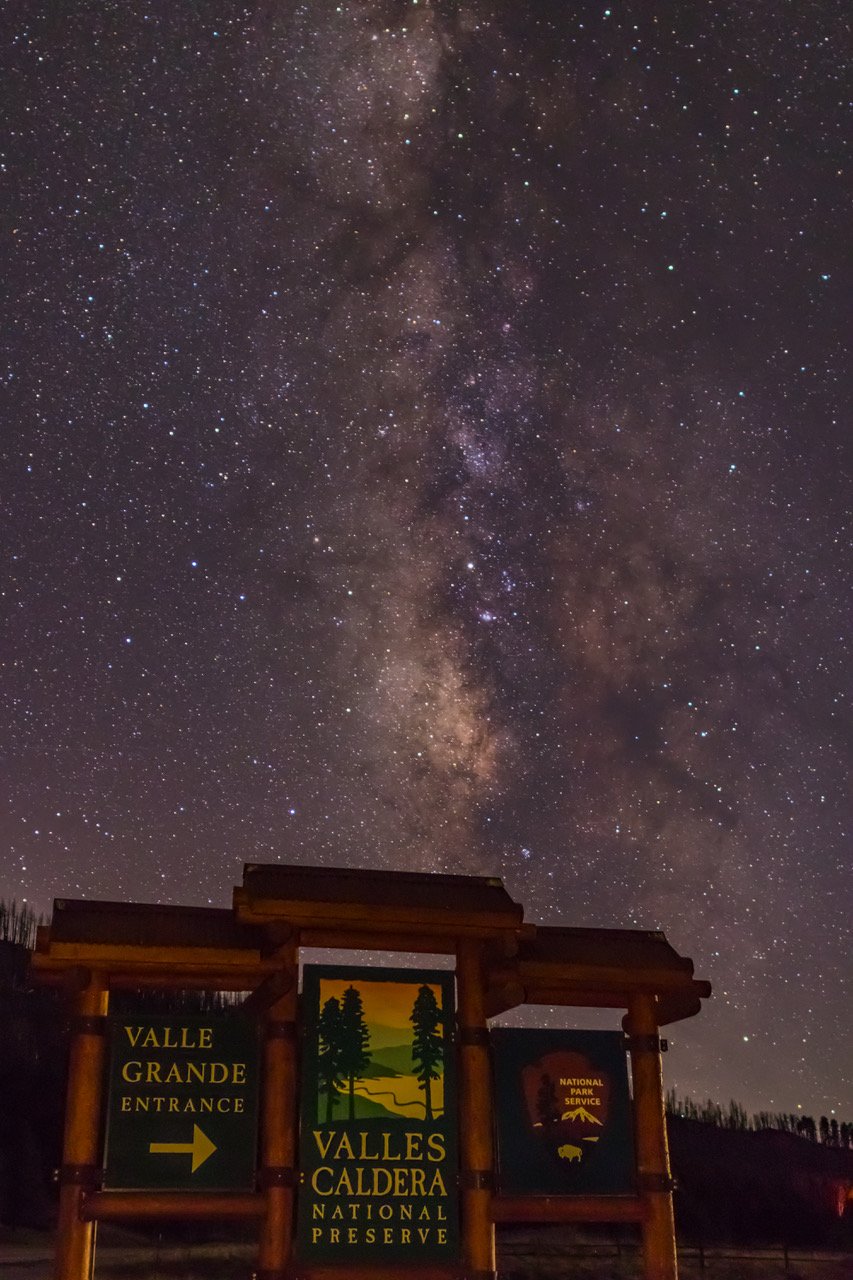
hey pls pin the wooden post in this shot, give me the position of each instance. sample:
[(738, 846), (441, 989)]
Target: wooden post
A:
[(278, 1128), (655, 1183), (475, 1107), (75, 1241)]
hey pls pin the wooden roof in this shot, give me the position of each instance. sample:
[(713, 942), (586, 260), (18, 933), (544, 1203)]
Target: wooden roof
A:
[(139, 943), (147, 924), (401, 910), (143, 942), (597, 967)]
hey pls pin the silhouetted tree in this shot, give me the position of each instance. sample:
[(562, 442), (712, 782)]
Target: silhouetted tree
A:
[(427, 1047), (18, 924), (355, 1041), (833, 1132), (823, 1126), (329, 1058), (737, 1117)]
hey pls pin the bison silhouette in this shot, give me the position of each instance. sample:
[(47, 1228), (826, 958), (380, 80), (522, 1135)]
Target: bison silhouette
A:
[(569, 1152)]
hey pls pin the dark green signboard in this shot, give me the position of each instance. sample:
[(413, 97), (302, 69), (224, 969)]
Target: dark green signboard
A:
[(183, 1103), (378, 1136), (563, 1113)]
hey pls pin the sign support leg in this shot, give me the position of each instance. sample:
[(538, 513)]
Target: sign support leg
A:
[(475, 1107), (659, 1251), (278, 1130), (75, 1244)]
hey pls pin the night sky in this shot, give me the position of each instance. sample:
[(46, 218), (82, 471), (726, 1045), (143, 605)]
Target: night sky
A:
[(424, 447)]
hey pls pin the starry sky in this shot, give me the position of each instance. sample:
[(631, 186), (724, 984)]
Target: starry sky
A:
[(424, 447)]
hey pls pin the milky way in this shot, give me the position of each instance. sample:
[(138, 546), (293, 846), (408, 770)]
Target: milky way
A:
[(424, 449)]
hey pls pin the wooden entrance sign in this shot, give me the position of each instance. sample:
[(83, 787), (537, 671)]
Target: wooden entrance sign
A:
[(94, 948)]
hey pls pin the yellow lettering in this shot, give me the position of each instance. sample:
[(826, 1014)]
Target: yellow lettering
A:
[(322, 1147), (205, 1038), (413, 1146), (405, 1235), (363, 1153), (437, 1150), (386, 1148), (437, 1187), (344, 1149), (418, 1183), (315, 1180), (316, 1234), (132, 1072), (133, 1034)]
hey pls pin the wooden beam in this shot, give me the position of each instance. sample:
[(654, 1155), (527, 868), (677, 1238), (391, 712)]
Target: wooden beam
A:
[(106, 1206), (75, 1238), (271, 989), (653, 1172), (352, 1271), (279, 1122), (476, 1140), (567, 1209)]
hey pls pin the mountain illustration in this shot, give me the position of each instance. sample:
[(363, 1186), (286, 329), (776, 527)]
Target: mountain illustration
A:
[(580, 1113), (379, 1067), (396, 1057), (383, 1037)]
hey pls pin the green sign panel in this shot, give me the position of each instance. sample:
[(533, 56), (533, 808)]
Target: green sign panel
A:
[(563, 1113), (378, 1137), (183, 1103)]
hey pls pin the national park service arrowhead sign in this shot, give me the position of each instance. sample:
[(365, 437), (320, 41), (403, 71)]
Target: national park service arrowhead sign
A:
[(563, 1113), (183, 1103)]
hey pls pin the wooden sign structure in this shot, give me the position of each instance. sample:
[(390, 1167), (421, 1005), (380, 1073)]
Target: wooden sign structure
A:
[(93, 948)]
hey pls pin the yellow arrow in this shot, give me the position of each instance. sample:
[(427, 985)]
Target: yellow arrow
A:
[(201, 1148)]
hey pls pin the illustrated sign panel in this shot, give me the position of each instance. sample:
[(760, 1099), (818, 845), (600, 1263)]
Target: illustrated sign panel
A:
[(378, 1136), (183, 1103), (563, 1113)]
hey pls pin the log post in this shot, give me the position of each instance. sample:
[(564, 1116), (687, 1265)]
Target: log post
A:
[(475, 1107), (278, 1128), (75, 1241), (653, 1171)]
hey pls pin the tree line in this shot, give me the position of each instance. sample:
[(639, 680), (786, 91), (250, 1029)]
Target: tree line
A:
[(827, 1130)]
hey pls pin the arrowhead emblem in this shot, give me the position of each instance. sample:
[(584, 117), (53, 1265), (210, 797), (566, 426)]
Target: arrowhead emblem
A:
[(201, 1148)]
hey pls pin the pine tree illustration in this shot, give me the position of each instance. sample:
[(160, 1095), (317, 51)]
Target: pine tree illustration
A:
[(329, 1061), (427, 1047), (355, 1041)]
